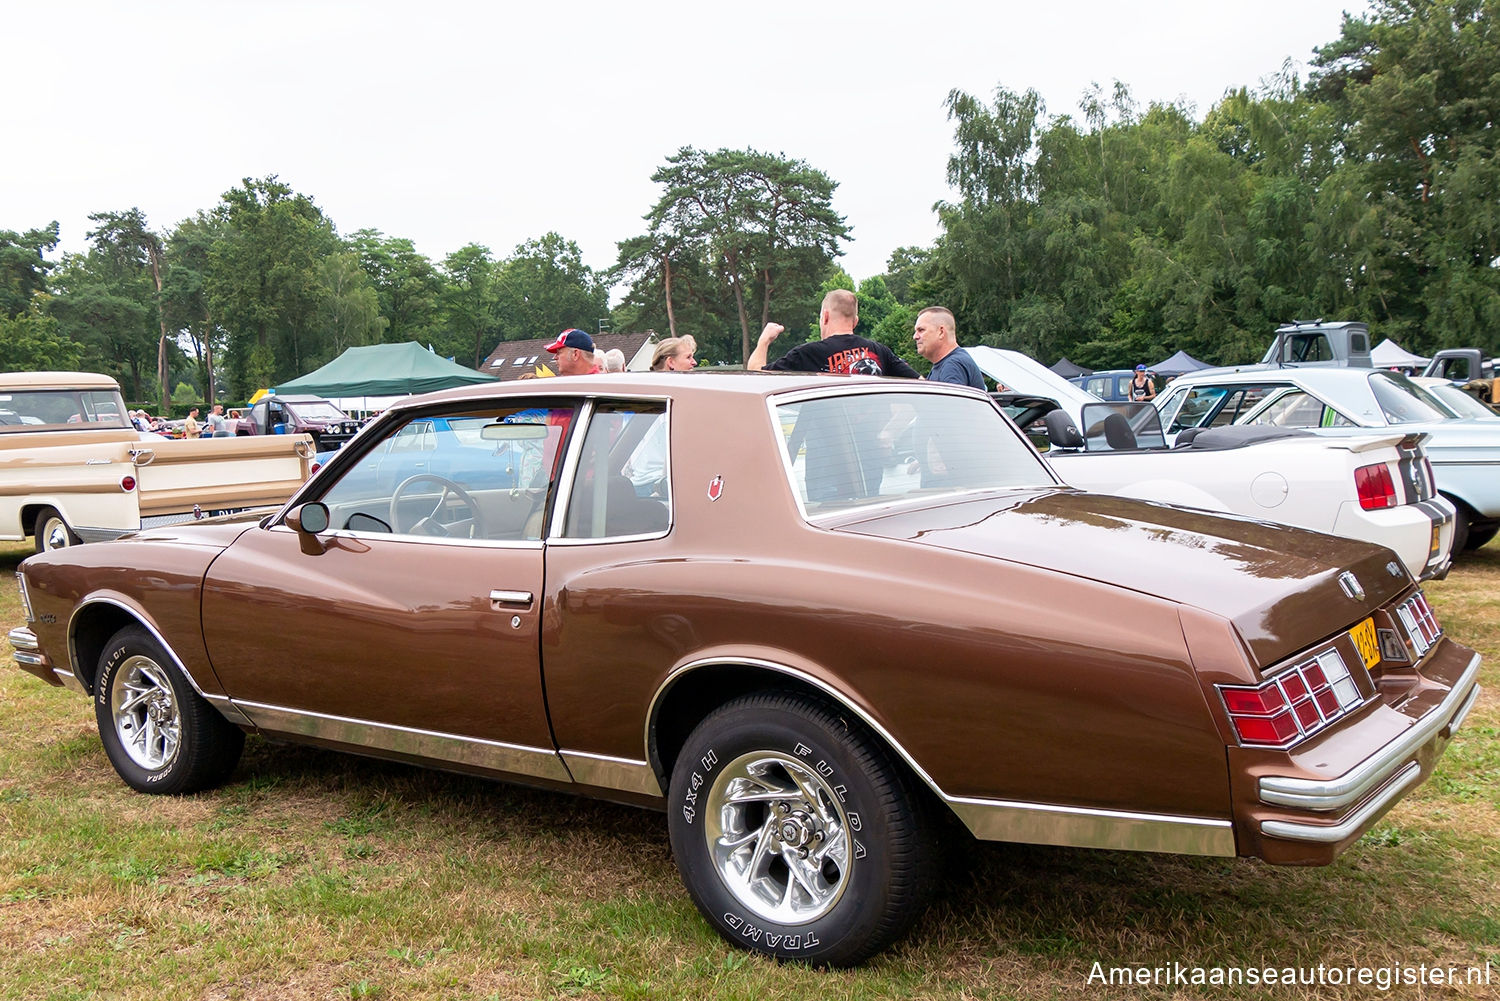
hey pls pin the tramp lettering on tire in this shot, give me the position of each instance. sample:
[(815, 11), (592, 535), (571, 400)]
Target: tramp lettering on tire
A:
[(160, 735), (52, 531), (795, 833)]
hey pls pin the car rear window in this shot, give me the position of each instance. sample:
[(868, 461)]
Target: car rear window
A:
[(853, 449), (1403, 401), (28, 410)]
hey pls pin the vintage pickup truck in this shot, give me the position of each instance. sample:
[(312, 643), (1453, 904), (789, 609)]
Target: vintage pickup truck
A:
[(73, 468)]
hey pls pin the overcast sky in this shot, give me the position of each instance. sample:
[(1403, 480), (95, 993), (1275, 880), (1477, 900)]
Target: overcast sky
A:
[(451, 122)]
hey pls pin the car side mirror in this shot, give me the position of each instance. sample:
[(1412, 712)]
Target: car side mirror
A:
[(308, 521)]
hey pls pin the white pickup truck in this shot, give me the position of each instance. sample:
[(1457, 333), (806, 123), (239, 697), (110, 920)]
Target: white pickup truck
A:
[(74, 469)]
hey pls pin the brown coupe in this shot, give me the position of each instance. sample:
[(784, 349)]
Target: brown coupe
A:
[(807, 616)]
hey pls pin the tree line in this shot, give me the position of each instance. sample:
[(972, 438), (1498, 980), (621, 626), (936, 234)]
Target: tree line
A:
[(1370, 191)]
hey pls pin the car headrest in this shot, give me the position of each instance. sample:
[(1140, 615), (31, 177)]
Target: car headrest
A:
[(1061, 431)]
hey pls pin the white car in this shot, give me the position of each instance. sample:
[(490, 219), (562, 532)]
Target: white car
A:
[(1375, 487), (1464, 451)]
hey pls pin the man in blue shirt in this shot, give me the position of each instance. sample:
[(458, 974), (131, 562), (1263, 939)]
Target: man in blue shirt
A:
[(936, 335)]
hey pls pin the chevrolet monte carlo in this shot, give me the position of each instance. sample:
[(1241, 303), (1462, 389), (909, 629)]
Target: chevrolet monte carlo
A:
[(811, 618)]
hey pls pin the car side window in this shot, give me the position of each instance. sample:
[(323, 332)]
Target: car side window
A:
[(622, 487), (414, 437), (1197, 407), (1294, 410), (477, 475), (1240, 401)]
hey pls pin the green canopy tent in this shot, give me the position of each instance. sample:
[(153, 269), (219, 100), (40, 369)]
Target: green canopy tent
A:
[(382, 370)]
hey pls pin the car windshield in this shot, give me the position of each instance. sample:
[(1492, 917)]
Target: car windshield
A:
[(320, 411), (1403, 401), (854, 450)]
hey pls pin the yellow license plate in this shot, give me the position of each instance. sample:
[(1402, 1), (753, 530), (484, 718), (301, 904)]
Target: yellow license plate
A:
[(1365, 642)]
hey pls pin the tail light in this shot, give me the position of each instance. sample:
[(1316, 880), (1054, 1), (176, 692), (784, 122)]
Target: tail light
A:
[(1292, 705), (1375, 487), (1421, 625), (127, 483)]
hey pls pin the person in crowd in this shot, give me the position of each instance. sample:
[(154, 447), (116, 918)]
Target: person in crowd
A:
[(936, 334), (575, 353), (675, 354), (614, 360), (190, 426), (217, 426), (1141, 386), (139, 421), (839, 350)]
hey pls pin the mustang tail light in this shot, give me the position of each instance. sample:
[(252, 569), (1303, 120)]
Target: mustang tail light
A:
[(1294, 704), (1375, 487), (127, 483)]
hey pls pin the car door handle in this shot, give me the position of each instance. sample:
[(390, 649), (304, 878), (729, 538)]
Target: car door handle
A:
[(510, 597)]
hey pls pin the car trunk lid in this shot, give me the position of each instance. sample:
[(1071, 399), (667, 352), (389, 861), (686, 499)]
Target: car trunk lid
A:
[(1275, 583)]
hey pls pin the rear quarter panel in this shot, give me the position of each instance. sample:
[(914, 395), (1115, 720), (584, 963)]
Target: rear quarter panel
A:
[(1000, 680)]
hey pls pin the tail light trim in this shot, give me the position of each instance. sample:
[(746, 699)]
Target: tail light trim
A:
[(1294, 704)]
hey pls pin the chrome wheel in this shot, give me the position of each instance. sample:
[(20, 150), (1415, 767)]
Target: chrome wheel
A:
[(145, 713), (778, 837)]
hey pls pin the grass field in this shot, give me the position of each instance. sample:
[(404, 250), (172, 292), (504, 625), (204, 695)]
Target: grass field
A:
[(319, 875)]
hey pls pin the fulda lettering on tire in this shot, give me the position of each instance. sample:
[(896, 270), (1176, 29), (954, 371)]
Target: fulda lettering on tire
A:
[(160, 735), (795, 833)]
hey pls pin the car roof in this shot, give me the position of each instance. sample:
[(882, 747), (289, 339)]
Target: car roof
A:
[(676, 384), (58, 380)]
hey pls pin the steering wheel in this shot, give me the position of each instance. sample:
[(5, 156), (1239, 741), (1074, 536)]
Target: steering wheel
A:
[(428, 524)]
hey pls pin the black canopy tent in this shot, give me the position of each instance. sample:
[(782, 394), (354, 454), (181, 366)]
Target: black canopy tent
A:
[(1068, 370)]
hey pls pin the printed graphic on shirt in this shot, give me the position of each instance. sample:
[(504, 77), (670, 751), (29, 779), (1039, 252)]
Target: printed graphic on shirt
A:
[(855, 361)]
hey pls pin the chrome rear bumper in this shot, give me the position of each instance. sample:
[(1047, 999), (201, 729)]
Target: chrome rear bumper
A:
[(1389, 772)]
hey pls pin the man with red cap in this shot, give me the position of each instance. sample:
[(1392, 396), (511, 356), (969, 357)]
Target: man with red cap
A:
[(575, 353)]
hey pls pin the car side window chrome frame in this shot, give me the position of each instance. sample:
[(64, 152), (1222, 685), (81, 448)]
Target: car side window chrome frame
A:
[(559, 529)]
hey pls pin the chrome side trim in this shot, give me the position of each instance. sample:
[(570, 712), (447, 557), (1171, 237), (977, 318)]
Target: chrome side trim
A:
[(608, 772), (101, 534), (493, 755), (416, 540), (1405, 779), (1349, 788), (677, 673), (140, 620), (1002, 820), (70, 681), (1078, 827), (228, 710)]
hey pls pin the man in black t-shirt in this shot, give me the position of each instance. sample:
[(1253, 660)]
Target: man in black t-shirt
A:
[(840, 350)]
